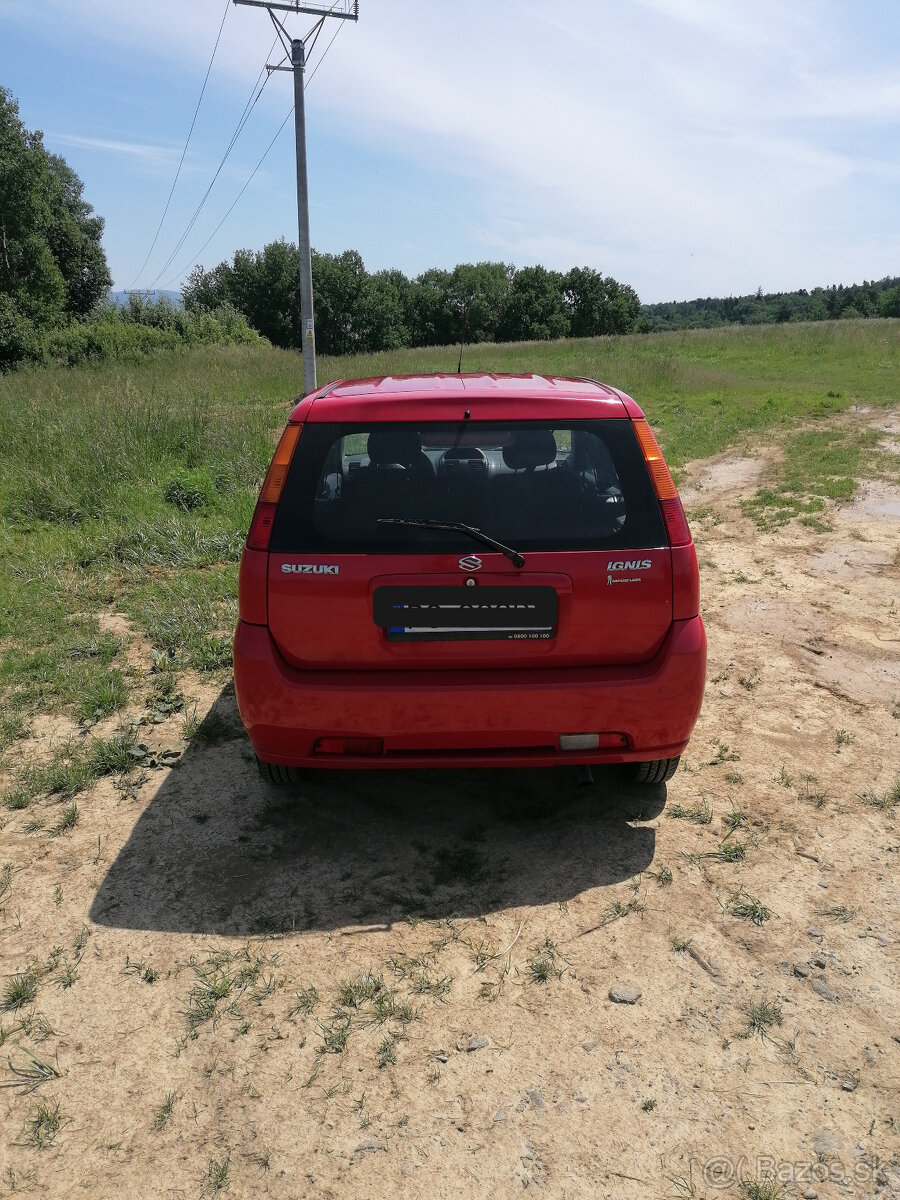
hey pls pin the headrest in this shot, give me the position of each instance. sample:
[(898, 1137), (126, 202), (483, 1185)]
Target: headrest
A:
[(530, 448), (387, 446)]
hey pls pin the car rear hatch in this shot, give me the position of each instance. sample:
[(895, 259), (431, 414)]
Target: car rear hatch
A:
[(571, 495)]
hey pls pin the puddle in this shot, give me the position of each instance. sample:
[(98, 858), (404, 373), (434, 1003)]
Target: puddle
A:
[(849, 560), (875, 500)]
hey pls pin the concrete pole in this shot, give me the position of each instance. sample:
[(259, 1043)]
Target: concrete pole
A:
[(307, 327)]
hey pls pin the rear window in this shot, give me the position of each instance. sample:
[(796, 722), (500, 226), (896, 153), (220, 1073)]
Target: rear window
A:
[(577, 485)]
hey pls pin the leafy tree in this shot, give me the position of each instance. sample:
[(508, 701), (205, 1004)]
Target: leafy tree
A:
[(52, 265), (339, 290), (534, 309), (382, 314), (434, 320), (597, 305), (889, 305)]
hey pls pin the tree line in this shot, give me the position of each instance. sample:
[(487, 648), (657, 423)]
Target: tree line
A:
[(55, 280), (875, 299), (358, 311)]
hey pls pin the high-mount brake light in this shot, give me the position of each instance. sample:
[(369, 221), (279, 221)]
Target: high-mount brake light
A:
[(264, 515), (670, 505)]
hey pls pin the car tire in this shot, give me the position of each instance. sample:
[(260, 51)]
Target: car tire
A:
[(273, 773), (659, 771)]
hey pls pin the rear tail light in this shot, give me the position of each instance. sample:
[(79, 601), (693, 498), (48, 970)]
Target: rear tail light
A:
[(670, 506), (264, 516), (252, 586), (261, 526), (676, 522)]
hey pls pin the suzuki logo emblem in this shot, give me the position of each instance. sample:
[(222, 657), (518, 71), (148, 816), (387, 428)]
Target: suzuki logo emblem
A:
[(470, 563)]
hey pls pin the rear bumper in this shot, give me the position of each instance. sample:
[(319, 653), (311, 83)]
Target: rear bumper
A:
[(469, 718)]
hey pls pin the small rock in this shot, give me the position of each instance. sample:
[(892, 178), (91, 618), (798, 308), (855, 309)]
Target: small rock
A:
[(849, 1085), (441, 1056), (820, 961), (536, 1098), (818, 934), (370, 1146), (810, 1194), (895, 1037), (621, 994), (476, 1043), (801, 969), (589, 1047), (821, 988), (499, 1116)]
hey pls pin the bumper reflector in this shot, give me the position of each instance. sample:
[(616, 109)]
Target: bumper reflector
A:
[(351, 745), (592, 741)]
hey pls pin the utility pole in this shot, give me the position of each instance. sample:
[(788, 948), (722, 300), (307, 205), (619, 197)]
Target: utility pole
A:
[(296, 50)]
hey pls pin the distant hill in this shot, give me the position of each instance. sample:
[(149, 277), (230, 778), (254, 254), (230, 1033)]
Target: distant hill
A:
[(881, 299), (121, 298)]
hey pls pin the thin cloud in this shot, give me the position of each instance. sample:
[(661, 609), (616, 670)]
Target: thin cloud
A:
[(147, 152)]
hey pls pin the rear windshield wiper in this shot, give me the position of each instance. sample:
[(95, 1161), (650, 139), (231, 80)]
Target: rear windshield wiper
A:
[(457, 527)]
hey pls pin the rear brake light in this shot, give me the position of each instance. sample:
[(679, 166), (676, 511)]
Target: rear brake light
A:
[(352, 745), (261, 526), (264, 515), (676, 522)]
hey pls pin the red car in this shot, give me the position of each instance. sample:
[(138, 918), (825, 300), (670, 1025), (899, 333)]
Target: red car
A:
[(468, 570)]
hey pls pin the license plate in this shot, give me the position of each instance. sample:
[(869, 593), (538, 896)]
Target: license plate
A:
[(445, 614)]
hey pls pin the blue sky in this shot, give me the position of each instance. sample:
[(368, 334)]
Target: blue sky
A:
[(688, 147)]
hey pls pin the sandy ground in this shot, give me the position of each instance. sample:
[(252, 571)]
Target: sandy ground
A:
[(399, 984)]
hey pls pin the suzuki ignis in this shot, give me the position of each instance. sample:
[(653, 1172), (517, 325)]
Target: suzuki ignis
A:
[(468, 570)]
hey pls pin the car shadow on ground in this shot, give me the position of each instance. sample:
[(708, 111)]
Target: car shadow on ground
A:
[(218, 851)]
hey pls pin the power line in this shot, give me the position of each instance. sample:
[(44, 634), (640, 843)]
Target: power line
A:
[(245, 116), (290, 113), (258, 165), (186, 144)]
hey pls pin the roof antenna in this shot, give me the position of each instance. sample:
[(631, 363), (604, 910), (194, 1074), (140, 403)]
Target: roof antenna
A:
[(463, 339)]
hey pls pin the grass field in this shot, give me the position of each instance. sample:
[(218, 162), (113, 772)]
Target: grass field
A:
[(132, 487)]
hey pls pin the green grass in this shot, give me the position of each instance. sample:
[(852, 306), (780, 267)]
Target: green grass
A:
[(76, 766), (43, 1125), (747, 908), (20, 990), (129, 487), (763, 1015), (884, 801)]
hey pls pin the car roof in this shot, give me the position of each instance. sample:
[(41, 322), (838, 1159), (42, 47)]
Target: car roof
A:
[(446, 396)]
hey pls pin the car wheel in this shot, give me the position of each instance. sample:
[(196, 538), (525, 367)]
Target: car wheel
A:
[(273, 773), (659, 771)]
